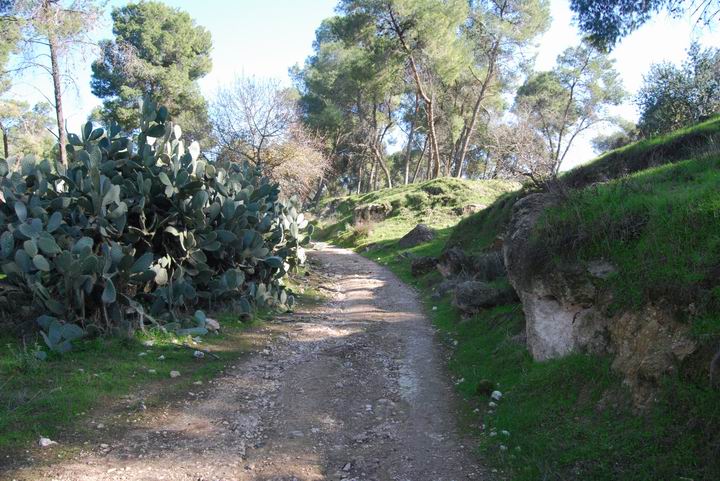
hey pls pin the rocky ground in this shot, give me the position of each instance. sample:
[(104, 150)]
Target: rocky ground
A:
[(353, 389)]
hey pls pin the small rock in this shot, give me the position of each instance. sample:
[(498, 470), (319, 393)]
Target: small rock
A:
[(101, 426), (420, 234), (505, 433), (485, 387), (198, 354), (45, 442), (496, 395), (503, 447), (174, 374), (152, 371), (142, 354), (492, 405), (148, 343), (212, 324), (347, 467), (161, 358), (198, 383)]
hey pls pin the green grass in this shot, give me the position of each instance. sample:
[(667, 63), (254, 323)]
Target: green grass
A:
[(478, 231), (659, 227), (681, 144), (46, 397)]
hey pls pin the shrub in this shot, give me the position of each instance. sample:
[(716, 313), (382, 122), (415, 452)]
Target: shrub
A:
[(136, 231), (362, 228)]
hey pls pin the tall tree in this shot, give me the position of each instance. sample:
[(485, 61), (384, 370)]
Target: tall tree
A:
[(570, 99), (9, 38), (499, 33), (54, 30), (351, 89), (157, 51), (426, 31)]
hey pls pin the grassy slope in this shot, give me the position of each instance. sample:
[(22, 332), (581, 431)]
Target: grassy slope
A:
[(660, 227), (570, 419), (477, 232), (431, 203)]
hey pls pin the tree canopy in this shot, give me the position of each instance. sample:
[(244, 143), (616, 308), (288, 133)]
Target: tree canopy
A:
[(570, 99), (157, 51), (673, 97)]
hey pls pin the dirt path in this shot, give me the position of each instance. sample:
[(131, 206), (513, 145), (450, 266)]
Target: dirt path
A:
[(350, 390)]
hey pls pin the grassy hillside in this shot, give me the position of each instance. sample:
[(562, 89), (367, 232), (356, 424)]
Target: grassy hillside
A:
[(437, 203), (477, 232), (572, 418), (660, 227)]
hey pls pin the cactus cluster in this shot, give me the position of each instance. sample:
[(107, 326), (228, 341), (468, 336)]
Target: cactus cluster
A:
[(137, 230)]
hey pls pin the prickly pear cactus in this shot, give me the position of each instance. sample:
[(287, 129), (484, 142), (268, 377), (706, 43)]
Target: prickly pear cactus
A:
[(136, 230)]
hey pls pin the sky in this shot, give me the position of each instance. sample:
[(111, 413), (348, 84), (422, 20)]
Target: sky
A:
[(265, 37)]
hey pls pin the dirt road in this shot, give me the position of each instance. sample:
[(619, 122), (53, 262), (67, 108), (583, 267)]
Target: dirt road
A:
[(353, 389)]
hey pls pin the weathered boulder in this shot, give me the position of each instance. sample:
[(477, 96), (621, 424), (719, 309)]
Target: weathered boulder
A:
[(469, 209), (472, 296), (418, 235), (422, 265), (453, 262), (488, 266), (371, 212)]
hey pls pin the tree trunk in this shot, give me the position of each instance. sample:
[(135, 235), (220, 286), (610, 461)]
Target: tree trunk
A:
[(318, 193), (408, 153), (434, 148), (62, 135), (383, 165), (360, 178), (371, 184), (6, 148), (476, 109), (419, 162)]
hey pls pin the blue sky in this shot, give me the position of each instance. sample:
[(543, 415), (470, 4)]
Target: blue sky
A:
[(266, 37)]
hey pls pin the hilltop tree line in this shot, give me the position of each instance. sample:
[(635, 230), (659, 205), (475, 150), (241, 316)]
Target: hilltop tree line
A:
[(394, 92)]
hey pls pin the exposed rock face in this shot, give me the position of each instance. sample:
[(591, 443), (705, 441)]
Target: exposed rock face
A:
[(469, 209), (648, 344), (566, 310), (373, 212), (472, 296), (418, 235), (422, 265), (487, 267)]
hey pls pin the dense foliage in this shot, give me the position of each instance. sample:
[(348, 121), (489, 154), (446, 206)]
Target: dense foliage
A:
[(674, 97), (157, 51), (136, 231), (439, 71)]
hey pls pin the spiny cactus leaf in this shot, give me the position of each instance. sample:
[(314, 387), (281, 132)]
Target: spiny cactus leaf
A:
[(109, 294)]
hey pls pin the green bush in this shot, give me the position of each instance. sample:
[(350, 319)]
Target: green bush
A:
[(138, 230)]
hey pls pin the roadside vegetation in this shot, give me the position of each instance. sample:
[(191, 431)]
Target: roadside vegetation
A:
[(46, 398)]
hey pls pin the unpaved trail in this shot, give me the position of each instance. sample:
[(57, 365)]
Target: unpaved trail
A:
[(353, 389)]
